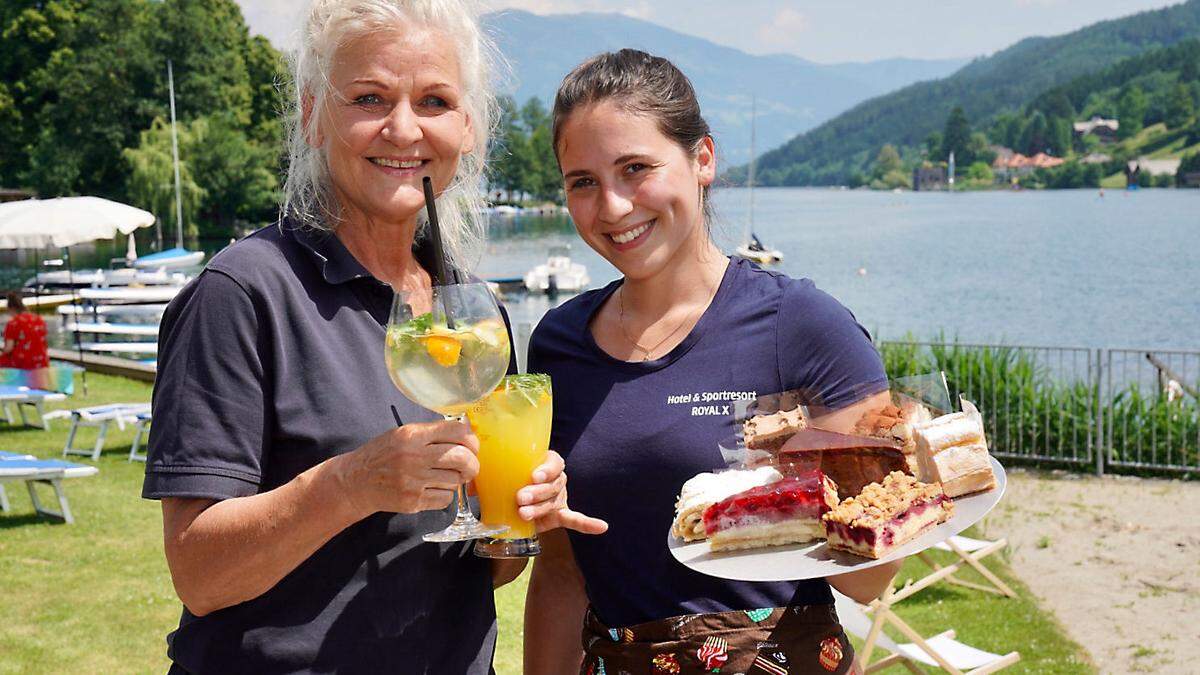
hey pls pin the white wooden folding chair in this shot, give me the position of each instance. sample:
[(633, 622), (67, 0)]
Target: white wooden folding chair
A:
[(940, 651), (970, 553)]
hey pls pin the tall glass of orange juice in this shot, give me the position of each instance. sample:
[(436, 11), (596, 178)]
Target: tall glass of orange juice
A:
[(513, 426)]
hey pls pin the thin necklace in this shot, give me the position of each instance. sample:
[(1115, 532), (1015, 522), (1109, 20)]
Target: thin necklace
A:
[(635, 343)]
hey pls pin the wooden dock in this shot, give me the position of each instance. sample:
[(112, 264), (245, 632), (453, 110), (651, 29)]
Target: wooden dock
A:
[(38, 302), (109, 365)]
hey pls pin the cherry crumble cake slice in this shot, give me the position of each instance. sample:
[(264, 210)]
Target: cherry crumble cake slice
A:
[(885, 516)]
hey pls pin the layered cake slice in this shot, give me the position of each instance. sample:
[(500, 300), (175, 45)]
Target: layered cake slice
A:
[(784, 512), (850, 461), (952, 450), (770, 432), (890, 422), (704, 490), (886, 515)]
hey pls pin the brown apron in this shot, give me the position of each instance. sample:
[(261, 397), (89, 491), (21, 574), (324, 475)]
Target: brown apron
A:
[(781, 641)]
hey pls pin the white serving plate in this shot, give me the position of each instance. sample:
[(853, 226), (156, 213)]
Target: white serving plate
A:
[(815, 560)]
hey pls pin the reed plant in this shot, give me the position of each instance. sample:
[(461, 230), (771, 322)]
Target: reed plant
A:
[(1034, 410)]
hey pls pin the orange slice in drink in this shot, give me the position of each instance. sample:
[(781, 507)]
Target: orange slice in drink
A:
[(444, 349)]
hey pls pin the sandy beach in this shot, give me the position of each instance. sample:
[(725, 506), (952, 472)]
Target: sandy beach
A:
[(1116, 559)]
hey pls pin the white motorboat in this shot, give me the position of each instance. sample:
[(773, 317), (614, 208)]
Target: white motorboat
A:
[(557, 274), (170, 259)]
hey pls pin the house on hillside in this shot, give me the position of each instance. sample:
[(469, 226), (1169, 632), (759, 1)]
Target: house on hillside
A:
[(1155, 167), (1103, 129), (1096, 158), (929, 178), (1020, 165)]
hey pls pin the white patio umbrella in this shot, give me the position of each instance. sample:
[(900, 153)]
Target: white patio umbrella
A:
[(64, 222)]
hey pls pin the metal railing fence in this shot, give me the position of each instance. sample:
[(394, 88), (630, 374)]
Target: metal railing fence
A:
[(1152, 417)]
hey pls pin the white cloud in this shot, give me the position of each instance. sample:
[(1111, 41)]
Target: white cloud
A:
[(782, 31)]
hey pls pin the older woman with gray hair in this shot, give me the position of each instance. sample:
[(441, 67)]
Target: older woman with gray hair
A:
[(293, 506)]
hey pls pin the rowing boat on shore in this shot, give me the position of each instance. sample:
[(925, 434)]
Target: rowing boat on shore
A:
[(151, 311), (129, 295), (105, 328), (120, 347)]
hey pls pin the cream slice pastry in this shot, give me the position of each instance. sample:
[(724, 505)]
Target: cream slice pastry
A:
[(704, 490), (784, 512), (952, 450), (886, 516), (769, 432)]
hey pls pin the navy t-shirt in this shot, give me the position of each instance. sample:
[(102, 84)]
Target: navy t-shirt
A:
[(632, 433), (271, 362)]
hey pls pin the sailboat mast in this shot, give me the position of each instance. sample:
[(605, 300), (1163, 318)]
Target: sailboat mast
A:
[(175, 153), (753, 158)]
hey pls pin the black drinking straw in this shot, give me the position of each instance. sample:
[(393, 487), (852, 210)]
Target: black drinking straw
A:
[(441, 277), (396, 415)]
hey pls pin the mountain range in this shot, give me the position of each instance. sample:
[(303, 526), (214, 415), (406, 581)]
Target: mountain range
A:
[(791, 94), (1005, 81)]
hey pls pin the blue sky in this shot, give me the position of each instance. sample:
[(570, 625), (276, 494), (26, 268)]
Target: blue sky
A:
[(826, 31)]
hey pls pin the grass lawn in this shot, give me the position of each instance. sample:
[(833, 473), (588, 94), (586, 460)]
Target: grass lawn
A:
[(96, 596)]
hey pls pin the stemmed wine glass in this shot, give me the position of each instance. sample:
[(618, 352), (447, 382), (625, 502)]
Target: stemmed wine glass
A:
[(446, 360)]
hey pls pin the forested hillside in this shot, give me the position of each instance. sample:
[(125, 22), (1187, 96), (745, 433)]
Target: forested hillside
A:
[(844, 147)]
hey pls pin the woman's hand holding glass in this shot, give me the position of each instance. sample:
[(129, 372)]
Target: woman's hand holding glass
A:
[(417, 467)]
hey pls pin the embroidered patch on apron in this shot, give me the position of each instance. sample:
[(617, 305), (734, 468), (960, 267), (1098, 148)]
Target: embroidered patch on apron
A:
[(766, 665), (831, 654), (665, 664), (757, 615), (626, 635), (612, 633), (713, 653)]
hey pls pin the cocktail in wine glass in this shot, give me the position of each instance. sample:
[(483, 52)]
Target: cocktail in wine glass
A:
[(446, 360)]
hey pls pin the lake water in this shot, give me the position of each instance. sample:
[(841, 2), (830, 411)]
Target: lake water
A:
[(1041, 268)]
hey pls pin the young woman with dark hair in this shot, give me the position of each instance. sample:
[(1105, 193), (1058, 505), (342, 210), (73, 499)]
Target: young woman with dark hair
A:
[(638, 161)]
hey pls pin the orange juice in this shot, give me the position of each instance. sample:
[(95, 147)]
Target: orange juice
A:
[(513, 426)]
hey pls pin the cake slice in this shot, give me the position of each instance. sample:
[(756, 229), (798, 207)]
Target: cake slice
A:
[(890, 422), (886, 515), (769, 432), (784, 512), (952, 450), (704, 490), (852, 462)]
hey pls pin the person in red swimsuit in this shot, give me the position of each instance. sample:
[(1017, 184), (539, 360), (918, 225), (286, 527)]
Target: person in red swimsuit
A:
[(24, 337)]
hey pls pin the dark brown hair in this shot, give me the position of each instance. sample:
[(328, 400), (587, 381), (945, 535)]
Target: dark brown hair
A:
[(641, 84), (15, 303)]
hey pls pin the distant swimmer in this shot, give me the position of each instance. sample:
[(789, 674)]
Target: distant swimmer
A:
[(1101, 193), (862, 271)]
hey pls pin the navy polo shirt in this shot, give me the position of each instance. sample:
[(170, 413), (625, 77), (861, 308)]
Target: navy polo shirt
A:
[(632, 433), (270, 362)]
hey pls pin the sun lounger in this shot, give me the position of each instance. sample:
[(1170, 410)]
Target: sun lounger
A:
[(21, 397), (100, 416), (21, 389), (4, 496), (940, 651), (23, 468), (142, 426)]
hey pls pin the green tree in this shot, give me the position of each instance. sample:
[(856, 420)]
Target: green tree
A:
[(546, 181), (887, 161), (980, 172), (509, 161), (1180, 107), (151, 183), (239, 175), (979, 149), (1058, 104), (1131, 111), (1190, 70), (1059, 135), (1034, 135), (956, 138)]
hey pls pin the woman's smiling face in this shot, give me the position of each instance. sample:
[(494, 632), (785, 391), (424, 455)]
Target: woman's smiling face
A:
[(634, 193), (395, 114)]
